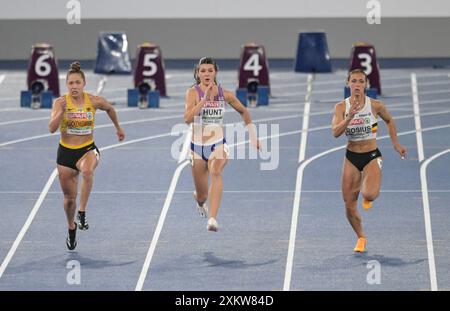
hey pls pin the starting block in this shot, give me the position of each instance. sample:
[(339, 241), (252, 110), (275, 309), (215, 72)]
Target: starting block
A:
[(112, 54), (363, 57), (42, 100), (254, 85), (312, 53), (149, 77), (42, 78), (149, 99), (252, 99)]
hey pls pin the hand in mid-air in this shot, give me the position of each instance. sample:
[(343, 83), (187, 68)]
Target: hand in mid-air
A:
[(208, 92), (401, 150), (354, 107), (120, 134), (256, 144)]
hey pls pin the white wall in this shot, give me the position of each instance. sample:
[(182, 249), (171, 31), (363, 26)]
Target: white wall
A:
[(193, 28), (110, 9)]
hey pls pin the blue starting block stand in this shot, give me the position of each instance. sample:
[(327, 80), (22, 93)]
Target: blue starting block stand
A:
[(148, 100), (44, 99), (372, 93), (260, 98), (312, 53)]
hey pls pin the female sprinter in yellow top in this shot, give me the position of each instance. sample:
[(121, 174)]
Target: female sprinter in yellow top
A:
[(74, 114)]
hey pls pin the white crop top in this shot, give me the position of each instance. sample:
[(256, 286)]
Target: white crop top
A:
[(363, 126)]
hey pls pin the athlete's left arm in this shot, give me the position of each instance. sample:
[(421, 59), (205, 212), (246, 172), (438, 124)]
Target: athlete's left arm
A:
[(382, 111), (102, 104), (240, 108)]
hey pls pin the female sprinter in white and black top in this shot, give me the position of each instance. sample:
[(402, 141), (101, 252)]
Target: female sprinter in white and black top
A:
[(204, 109), (357, 116)]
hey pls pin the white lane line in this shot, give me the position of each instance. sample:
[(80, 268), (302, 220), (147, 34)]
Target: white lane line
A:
[(43, 194), (287, 86), (165, 118), (101, 85), (51, 180), (10, 142), (108, 192), (54, 174), (305, 122), (297, 199), (27, 223), (97, 127), (21, 109), (396, 104), (121, 110), (162, 218), (184, 154), (435, 92), (424, 183), (295, 213), (24, 120), (427, 218), (386, 96), (2, 78), (342, 83), (417, 123), (260, 120), (129, 122), (18, 121), (167, 202), (301, 158)]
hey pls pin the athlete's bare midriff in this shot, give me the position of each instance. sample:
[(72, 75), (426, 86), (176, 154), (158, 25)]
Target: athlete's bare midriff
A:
[(207, 134), (362, 145), (70, 139)]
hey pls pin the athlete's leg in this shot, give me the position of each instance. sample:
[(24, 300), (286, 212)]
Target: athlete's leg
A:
[(216, 163), (68, 179), (200, 176), (371, 182), (351, 182), (86, 166)]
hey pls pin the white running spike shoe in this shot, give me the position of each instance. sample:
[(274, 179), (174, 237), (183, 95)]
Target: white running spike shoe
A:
[(212, 224), (202, 210)]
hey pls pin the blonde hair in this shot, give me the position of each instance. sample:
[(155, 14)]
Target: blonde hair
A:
[(357, 70)]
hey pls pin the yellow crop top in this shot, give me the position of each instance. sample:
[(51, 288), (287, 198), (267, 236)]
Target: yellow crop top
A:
[(78, 121)]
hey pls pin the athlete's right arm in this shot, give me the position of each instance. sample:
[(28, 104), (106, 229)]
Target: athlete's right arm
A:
[(190, 108), (57, 114), (340, 122)]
